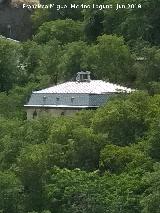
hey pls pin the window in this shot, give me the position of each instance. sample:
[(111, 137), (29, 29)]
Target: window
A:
[(72, 99), (34, 114), (62, 113)]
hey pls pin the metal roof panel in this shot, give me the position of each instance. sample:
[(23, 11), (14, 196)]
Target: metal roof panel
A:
[(92, 87)]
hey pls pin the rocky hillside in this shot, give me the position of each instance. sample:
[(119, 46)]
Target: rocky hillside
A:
[(17, 3), (15, 21)]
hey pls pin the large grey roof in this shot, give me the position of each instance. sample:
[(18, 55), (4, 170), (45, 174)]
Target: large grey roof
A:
[(67, 100), (88, 94), (92, 87)]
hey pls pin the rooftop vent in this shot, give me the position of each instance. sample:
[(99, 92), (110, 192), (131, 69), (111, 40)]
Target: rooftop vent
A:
[(83, 76)]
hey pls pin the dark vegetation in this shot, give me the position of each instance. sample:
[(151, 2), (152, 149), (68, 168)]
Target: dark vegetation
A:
[(103, 161)]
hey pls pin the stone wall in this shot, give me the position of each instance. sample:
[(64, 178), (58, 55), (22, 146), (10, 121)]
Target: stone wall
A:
[(55, 112)]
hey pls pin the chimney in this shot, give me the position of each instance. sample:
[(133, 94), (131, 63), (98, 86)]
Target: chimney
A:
[(83, 76)]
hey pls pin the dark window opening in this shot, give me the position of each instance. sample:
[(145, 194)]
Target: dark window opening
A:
[(83, 77), (62, 113), (72, 99), (34, 114)]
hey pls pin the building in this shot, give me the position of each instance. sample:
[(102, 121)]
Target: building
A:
[(70, 97)]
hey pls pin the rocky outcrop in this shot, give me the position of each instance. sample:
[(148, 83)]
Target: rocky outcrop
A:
[(18, 3), (15, 22)]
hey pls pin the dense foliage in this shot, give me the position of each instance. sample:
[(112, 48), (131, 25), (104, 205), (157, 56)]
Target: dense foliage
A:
[(101, 161)]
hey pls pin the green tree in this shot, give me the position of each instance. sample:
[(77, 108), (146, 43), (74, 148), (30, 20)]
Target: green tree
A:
[(118, 159), (31, 58), (151, 197), (79, 191), (9, 61), (123, 119), (93, 23), (110, 59), (11, 193), (79, 146), (11, 104), (50, 61), (31, 168), (141, 23), (63, 30), (41, 62), (150, 66), (40, 16), (72, 59), (73, 191), (153, 139), (85, 149)]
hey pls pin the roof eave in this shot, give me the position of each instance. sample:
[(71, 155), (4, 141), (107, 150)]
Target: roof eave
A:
[(59, 106)]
